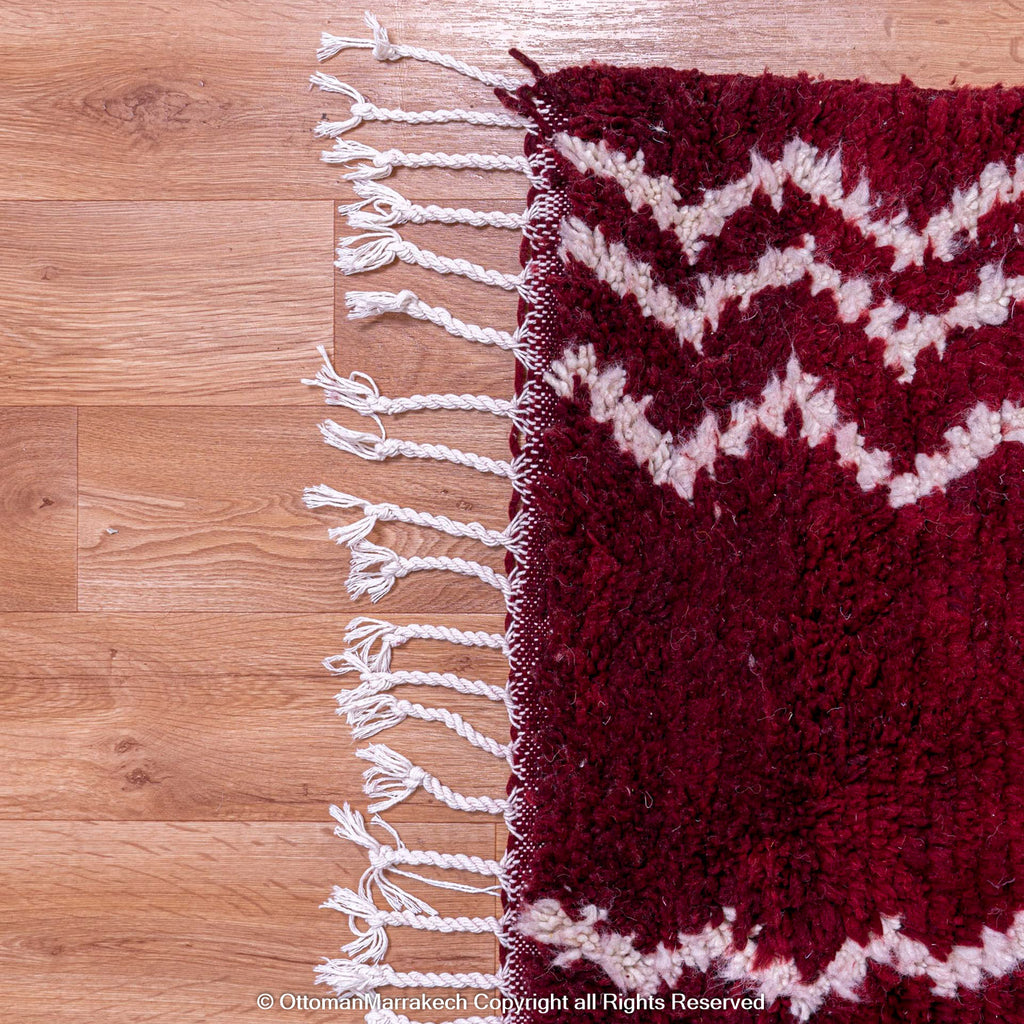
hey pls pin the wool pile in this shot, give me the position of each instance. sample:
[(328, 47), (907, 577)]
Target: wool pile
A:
[(765, 577), (776, 741)]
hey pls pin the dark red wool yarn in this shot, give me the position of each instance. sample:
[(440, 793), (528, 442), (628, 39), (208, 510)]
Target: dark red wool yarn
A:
[(776, 705)]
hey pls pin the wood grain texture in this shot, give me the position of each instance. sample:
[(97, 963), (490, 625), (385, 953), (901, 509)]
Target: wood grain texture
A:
[(235, 725), (152, 100), (167, 303), (38, 499), (164, 280), (261, 749), (201, 509), (209, 100), (164, 922), (92, 646)]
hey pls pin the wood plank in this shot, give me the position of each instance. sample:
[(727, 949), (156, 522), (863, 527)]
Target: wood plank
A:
[(177, 717), (200, 509), (89, 646), (210, 101), (184, 747), (156, 922), (169, 303), (38, 552)]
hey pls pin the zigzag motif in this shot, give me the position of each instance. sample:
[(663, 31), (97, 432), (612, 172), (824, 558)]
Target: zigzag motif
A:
[(732, 955), (611, 263), (988, 304), (819, 176), (679, 461)]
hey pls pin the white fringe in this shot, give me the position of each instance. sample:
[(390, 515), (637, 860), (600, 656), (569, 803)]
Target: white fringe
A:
[(371, 944), (364, 633), (391, 208), (375, 249), (383, 859), (373, 681), (374, 569), (371, 713), (368, 945), (352, 828), (364, 304), (377, 449), (383, 49), (352, 903), (360, 393), (386, 512), (352, 978), (370, 707), (361, 110), (381, 163), (393, 778)]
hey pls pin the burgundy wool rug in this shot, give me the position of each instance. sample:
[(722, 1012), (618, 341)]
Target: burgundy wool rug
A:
[(765, 572)]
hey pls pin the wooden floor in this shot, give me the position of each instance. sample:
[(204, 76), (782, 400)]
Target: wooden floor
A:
[(165, 599)]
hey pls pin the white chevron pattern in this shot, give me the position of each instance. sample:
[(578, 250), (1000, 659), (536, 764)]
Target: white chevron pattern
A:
[(819, 176), (732, 956), (611, 263), (988, 304), (678, 462)]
